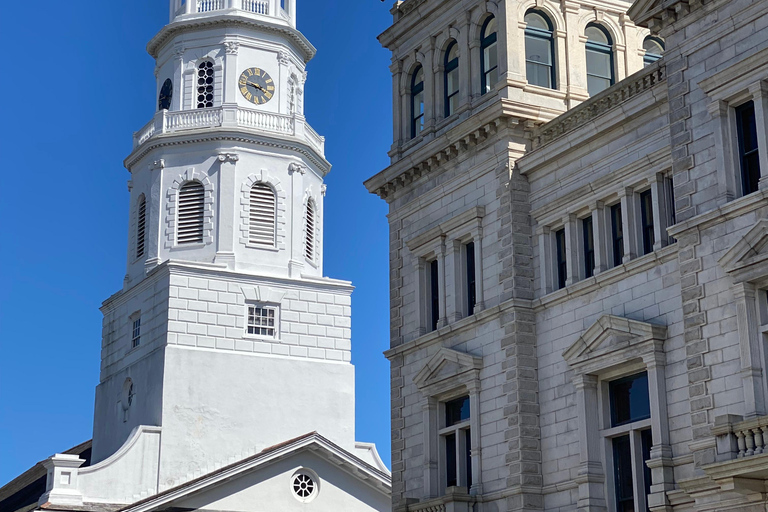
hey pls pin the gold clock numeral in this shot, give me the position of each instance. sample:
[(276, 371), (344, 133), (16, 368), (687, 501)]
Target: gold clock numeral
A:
[(268, 95), (243, 80), (271, 88), (269, 80), (244, 91), (249, 71)]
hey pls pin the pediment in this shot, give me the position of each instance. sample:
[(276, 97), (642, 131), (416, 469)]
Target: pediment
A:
[(653, 14), (446, 366), (609, 334), (748, 258)]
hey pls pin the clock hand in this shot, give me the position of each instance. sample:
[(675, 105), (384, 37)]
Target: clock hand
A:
[(256, 85)]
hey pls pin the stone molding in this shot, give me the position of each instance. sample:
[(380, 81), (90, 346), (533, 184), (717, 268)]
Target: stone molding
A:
[(172, 196), (263, 176)]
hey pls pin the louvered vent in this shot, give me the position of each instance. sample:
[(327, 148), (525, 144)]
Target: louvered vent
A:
[(191, 213), (309, 245), (141, 227), (261, 226)]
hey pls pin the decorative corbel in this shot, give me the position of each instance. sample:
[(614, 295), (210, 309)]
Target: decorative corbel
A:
[(228, 157), (157, 165), (297, 167)]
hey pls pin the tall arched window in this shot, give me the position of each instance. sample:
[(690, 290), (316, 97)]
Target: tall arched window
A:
[(490, 58), (600, 74), (141, 226), (205, 76), (417, 102), (191, 216), (654, 49), (451, 85), (539, 50), (309, 241), (262, 215)]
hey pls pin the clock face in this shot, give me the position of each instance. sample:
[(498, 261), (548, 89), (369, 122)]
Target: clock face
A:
[(256, 86), (166, 93)]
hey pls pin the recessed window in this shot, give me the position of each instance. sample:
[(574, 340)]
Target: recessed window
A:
[(669, 196), (309, 239), (469, 252), (262, 213), (136, 331), (451, 84), (262, 320), (141, 226), (205, 77), (599, 47), (562, 267), (629, 399), (746, 128), (654, 49), (589, 247), (417, 102), (191, 213), (646, 221), (456, 443), (434, 295), (539, 50), (490, 57), (617, 235)]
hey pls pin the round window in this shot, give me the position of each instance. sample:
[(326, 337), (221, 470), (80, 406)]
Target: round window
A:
[(304, 485)]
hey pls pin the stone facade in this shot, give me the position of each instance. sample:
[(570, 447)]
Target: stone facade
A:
[(613, 238)]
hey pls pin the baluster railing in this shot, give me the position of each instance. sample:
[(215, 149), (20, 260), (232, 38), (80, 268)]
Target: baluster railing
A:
[(256, 6), (209, 5)]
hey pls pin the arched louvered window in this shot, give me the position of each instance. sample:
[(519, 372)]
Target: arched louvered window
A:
[(417, 102), (191, 216), (205, 78), (261, 225), (539, 50), (451, 84), (654, 49), (309, 242), (489, 61), (600, 75), (141, 226)]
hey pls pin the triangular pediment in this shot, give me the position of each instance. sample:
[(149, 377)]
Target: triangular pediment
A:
[(447, 364), (654, 13), (610, 333), (748, 258)]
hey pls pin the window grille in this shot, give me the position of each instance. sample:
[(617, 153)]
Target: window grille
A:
[(191, 213), (262, 215), (262, 321), (136, 332), (309, 245), (205, 77), (141, 225)]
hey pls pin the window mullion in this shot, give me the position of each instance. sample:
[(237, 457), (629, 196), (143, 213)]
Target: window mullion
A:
[(638, 481)]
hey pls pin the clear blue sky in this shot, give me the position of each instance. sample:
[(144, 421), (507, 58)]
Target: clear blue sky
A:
[(78, 83)]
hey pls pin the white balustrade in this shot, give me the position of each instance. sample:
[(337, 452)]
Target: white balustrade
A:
[(143, 135), (751, 435), (210, 5), (265, 121), (316, 140), (256, 6), (191, 119)]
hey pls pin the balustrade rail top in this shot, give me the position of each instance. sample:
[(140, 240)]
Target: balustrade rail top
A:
[(599, 104)]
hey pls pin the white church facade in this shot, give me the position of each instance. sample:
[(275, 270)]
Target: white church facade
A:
[(578, 212), (226, 379)]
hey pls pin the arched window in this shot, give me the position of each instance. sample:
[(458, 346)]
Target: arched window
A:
[(189, 228), (599, 59), (490, 61), (539, 50), (309, 241), (451, 85), (141, 226), (654, 49), (417, 102), (205, 76), (262, 215)]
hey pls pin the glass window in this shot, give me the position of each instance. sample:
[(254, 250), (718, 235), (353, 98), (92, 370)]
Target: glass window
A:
[(599, 48), (136, 332), (262, 321), (646, 214), (562, 267), (434, 295), (669, 189), (417, 102), (629, 399), (490, 60), (589, 247), (539, 50), (617, 235), (205, 75), (451, 79), (456, 411), (457, 442), (654, 49), (471, 285), (746, 128)]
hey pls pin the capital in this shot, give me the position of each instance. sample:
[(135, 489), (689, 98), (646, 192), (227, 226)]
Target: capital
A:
[(228, 157), (296, 167)]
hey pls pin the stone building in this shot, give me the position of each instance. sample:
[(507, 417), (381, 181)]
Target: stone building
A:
[(226, 381), (578, 255)]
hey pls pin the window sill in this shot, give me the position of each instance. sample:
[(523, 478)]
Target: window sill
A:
[(266, 339), (545, 91), (262, 247), (188, 247)]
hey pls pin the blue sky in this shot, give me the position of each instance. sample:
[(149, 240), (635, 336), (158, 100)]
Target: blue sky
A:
[(79, 83)]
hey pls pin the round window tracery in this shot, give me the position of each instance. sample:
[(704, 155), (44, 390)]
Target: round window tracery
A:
[(205, 84), (304, 485)]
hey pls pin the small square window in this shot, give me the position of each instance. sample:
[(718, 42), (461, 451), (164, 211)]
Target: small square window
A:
[(262, 321), (136, 331)]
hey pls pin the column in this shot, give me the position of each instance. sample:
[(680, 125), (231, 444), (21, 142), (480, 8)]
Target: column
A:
[(546, 263), (228, 200), (441, 260), (576, 59), (660, 463), (474, 450), (660, 214), (397, 100), (431, 450), (465, 62), (430, 87), (191, 6), (759, 93), (419, 267), (727, 165), (571, 249), (590, 475), (510, 40), (629, 224), (600, 235), (459, 293), (745, 296), (229, 84), (479, 294)]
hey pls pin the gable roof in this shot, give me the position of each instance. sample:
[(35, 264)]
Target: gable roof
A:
[(311, 441)]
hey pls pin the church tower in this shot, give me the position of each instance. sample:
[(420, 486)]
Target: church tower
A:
[(226, 336)]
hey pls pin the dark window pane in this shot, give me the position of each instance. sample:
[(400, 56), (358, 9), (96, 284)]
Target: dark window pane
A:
[(490, 61), (589, 247), (562, 267), (748, 147), (622, 474), (468, 455), (450, 460), (629, 399), (456, 411), (646, 440), (471, 285), (646, 210), (434, 294), (618, 235)]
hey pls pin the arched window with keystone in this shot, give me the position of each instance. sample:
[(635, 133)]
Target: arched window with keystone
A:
[(540, 50), (599, 48)]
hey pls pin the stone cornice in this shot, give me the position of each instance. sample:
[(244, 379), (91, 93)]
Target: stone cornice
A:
[(228, 20), (658, 14)]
